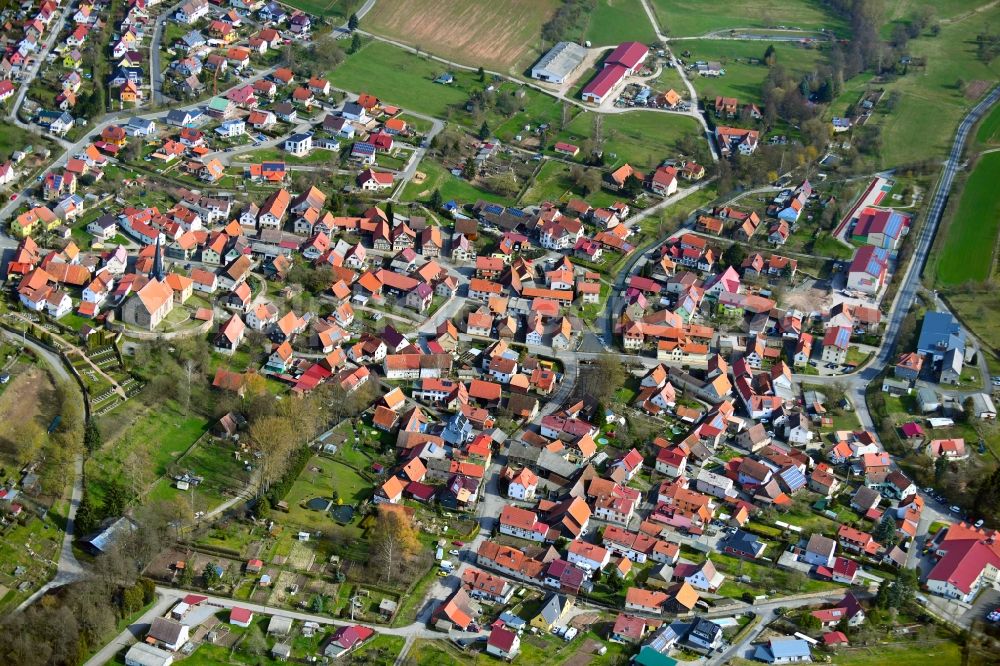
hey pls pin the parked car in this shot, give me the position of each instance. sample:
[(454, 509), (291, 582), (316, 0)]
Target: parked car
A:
[(954, 509)]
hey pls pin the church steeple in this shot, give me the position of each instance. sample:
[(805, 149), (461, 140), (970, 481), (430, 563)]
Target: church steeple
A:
[(158, 261)]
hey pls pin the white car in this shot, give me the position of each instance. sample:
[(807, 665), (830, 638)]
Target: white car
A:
[(453, 551)]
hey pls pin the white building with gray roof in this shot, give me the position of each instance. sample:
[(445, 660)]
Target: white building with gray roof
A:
[(556, 65)]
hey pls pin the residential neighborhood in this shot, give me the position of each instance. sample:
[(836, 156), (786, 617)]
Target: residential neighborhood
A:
[(328, 339)]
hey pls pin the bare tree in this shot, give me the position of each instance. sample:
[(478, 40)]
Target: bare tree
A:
[(272, 437), (396, 541)]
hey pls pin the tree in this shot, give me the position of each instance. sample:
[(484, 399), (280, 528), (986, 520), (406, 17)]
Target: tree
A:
[(632, 185), (25, 440), (355, 43), (395, 541), (469, 169), (92, 436), (770, 57), (132, 599), (86, 517), (968, 410), (808, 622), (940, 468), (734, 255), (885, 531), (435, 200), (390, 214), (272, 437), (210, 575), (116, 500), (484, 131), (253, 641), (604, 378), (482, 74), (352, 22), (586, 180)]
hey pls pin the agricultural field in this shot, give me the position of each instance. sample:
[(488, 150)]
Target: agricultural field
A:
[(690, 18), (742, 79), (502, 36), (930, 102), (616, 21), (643, 138), (970, 237)]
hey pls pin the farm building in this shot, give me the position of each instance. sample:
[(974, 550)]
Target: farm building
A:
[(556, 65)]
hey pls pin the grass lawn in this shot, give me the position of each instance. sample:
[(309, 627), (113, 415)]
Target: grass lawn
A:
[(439, 653), (989, 128), (214, 461), (686, 18), (668, 79), (536, 109), (553, 184), (980, 310), (320, 478), (451, 187), (643, 138), (503, 36), (616, 21), (382, 650), (913, 653), (317, 156), (680, 210), (403, 78), (338, 8), (930, 104), (972, 232), (162, 428), (742, 79)]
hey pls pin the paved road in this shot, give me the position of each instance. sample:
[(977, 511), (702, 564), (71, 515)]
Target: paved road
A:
[(65, 13), (640, 256), (132, 632), (155, 67), (692, 93), (767, 616)]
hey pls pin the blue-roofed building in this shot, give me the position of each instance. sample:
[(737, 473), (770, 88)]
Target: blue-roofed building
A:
[(882, 228), (512, 621), (793, 208), (784, 650), (836, 341), (841, 124), (939, 334), (458, 430), (868, 269), (744, 544), (791, 479), (363, 152)]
